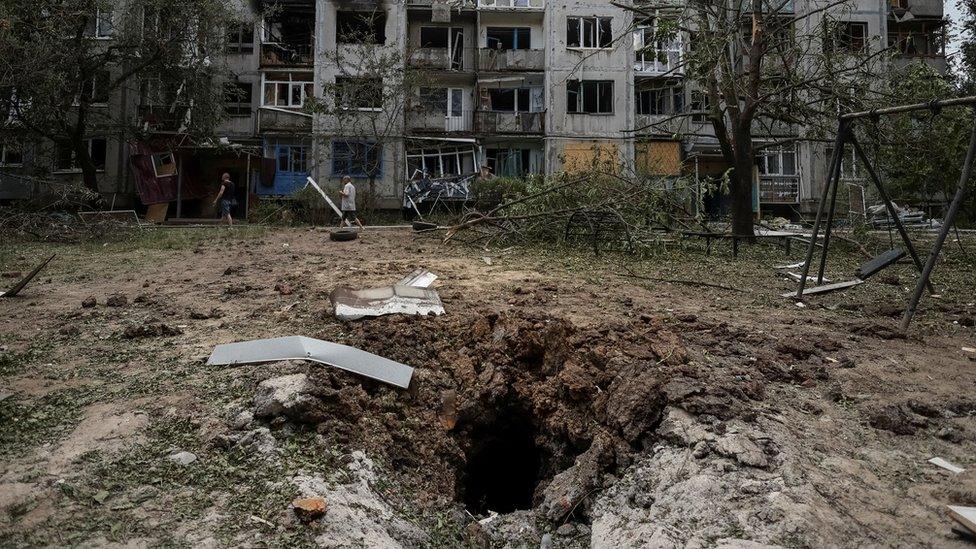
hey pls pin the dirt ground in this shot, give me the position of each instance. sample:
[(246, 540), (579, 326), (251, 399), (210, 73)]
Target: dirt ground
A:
[(561, 401)]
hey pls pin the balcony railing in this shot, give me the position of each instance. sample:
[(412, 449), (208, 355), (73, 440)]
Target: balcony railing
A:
[(512, 4), (443, 59), (436, 121), (275, 119), (159, 117), (286, 55), (659, 62), (496, 122), (920, 8), (779, 189), (490, 59)]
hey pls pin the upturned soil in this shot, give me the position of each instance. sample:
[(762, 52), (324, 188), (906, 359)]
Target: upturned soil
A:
[(582, 404)]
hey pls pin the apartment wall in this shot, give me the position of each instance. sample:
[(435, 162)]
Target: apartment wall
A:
[(570, 132)]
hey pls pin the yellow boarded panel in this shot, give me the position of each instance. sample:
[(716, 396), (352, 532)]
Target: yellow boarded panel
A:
[(587, 155), (658, 157)]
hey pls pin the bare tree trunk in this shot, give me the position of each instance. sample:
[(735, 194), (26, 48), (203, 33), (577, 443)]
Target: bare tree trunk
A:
[(741, 184)]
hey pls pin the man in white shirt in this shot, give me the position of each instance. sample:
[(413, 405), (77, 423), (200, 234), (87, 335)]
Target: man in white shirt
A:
[(348, 207)]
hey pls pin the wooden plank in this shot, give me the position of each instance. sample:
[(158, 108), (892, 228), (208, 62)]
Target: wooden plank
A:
[(965, 516), (157, 212), (827, 288), (798, 276), (879, 263)]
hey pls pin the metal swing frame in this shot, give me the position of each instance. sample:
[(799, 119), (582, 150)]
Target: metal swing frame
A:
[(828, 199)]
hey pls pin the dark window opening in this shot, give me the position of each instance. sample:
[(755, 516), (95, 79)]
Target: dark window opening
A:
[(660, 101), (66, 159), (359, 93), (509, 162), (240, 38), (356, 159), (237, 98), (589, 32), (509, 38), (434, 37), (589, 96), (509, 99), (848, 37), (360, 27), (95, 89)]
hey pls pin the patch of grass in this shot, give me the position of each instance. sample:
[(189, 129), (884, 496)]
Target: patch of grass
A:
[(26, 423)]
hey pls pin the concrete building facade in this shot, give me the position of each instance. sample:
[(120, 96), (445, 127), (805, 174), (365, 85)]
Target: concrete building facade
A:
[(522, 86)]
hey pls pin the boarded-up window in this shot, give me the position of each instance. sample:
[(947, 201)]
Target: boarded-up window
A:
[(587, 155), (658, 158)]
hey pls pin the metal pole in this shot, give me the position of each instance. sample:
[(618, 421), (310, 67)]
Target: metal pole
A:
[(838, 145), (835, 177), (943, 233), (889, 206), (179, 186), (955, 102)]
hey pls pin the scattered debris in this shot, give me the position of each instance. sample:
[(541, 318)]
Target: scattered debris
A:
[(120, 217), (969, 350), (880, 218), (797, 277), (939, 462), (23, 281), (309, 509), (826, 288), (487, 260), (151, 330), (420, 278), (965, 516), (289, 396), (305, 348), (352, 304), (183, 458)]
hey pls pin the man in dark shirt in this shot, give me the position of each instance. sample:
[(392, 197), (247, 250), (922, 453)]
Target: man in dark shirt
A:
[(226, 198)]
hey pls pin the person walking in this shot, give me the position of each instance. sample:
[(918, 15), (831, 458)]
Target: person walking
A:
[(227, 197), (348, 193)]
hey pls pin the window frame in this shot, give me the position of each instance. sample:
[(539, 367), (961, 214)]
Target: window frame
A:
[(779, 152), (580, 93), (372, 148), (341, 97), (235, 36), (74, 168), (515, 32), (307, 89), (5, 149), (598, 22)]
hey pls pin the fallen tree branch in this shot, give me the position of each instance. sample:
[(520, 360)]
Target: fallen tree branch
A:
[(683, 281)]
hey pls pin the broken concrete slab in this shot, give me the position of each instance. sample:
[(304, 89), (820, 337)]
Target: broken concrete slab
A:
[(966, 516), (343, 357), (23, 281), (352, 304)]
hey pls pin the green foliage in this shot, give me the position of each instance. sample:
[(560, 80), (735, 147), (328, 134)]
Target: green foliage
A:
[(921, 153)]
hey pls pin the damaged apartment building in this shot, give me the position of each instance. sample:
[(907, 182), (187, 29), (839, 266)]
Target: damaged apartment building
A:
[(395, 91)]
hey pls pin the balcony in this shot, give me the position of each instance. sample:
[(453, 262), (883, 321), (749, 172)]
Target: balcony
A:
[(436, 121), (659, 63), (442, 59), (276, 119), (286, 55), (783, 189), (512, 4), (159, 118), (490, 59), (496, 122), (919, 8)]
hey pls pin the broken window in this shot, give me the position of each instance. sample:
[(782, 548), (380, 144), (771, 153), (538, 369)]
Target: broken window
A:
[(434, 100), (240, 38), (356, 159), (95, 89), (439, 162), (509, 162), (660, 101), (359, 93), (360, 27), (847, 37), (589, 96), (288, 94), (434, 37), (588, 32), (100, 24), (779, 160), (164, 164), (699, 106), (66, 159), (237, 98), (656, 47), (509, 38), (292, 159), (11, 155), (510, 99)]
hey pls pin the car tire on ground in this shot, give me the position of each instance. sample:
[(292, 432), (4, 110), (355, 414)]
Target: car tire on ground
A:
[(343, 235)]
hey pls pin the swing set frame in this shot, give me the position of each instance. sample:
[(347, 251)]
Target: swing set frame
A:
[(828, 199)]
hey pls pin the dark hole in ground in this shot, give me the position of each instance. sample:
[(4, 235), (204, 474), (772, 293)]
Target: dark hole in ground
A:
[(503, 464)]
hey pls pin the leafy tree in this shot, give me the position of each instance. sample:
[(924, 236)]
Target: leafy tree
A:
[(65, 62)]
